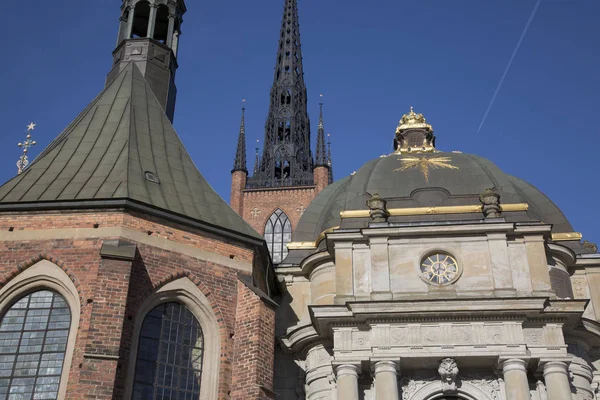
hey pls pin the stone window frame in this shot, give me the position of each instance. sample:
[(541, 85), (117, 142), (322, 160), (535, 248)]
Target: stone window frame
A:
[(452, 252), (46, 275), (183, 291)]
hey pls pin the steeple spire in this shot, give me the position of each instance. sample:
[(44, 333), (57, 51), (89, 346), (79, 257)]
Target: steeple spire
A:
[(287, 158), (321, 156), (149, 36), (239, 163)]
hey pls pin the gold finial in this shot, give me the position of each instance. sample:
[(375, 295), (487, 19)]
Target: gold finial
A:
[(243, 104), (413, 120), (24, 160)]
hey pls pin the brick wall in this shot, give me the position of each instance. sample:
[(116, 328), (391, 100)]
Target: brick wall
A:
[(238, 183), (112, 291), (257, 205), (260, 204)]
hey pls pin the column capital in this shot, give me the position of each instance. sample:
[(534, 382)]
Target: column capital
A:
[(385, 366), (514, 364), (351, 369), (555, 367)]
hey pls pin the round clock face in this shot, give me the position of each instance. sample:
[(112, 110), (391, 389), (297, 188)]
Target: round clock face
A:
[(439, 269)]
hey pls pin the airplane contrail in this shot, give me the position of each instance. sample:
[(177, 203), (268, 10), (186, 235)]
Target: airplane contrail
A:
[(512, 58)]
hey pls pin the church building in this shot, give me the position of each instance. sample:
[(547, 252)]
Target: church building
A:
[(424, 275)]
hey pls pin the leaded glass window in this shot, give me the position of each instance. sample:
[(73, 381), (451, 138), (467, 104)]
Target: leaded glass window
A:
[(169, 357), (278, 233), (33, 342)]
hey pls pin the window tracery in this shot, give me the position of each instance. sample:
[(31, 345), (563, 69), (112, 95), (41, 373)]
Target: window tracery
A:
[(170, 354), (33, 341), (278, 233)]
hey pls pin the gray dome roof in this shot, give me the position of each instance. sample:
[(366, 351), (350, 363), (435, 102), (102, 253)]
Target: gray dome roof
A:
[(425, 180)]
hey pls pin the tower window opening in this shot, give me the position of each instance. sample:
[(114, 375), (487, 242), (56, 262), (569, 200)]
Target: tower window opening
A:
[(161, 29), (141, 18), (286, 97), (282, 166), (297, 71), (280, 132), (288, 130)]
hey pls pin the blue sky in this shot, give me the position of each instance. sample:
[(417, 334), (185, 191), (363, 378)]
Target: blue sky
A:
[(370, 59)]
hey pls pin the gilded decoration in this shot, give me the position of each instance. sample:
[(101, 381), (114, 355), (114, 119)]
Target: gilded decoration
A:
[(425, 163), (414, 135), (412, 120), (467, 209)]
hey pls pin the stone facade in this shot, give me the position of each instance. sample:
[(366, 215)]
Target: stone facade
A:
[(364, 323)]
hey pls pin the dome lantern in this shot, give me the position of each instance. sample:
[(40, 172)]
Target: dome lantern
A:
[(414, 134)]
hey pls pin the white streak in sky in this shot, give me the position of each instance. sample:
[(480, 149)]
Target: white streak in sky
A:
[(512, 58)]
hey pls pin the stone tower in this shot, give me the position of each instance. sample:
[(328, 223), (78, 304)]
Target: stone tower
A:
[(149, 33), (286, 178)]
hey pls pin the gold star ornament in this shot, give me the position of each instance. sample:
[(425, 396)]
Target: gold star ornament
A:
[(30, 127), (425, 163)]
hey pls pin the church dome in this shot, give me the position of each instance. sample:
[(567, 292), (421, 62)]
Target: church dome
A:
[(418, 176)]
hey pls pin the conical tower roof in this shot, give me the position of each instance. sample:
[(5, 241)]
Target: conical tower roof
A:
[(123, 147)]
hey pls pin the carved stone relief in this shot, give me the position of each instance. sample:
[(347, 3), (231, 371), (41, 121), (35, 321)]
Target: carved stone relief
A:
[(489, 385), (534, 336)]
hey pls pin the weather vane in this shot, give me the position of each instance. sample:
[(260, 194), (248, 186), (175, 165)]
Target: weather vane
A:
[(23, 160)]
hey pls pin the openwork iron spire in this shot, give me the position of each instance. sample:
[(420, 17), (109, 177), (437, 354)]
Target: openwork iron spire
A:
[(287, 158), (239, 164), (321, 151)]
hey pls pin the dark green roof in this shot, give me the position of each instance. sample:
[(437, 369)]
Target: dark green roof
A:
[(409, 188), (114, 150)]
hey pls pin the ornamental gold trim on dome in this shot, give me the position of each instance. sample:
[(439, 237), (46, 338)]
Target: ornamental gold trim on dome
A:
[(311, 245), (397, 212), (564, 236), (425, 163)]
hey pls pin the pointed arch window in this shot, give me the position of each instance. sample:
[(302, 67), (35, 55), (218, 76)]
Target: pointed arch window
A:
[(33, 342), (278, 233), (170, 354)]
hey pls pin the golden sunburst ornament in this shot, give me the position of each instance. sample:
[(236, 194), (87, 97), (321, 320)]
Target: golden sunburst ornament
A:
[(425, 163)]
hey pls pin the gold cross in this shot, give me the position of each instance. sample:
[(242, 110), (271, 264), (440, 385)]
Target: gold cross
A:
[(425, 163), (255, 212)]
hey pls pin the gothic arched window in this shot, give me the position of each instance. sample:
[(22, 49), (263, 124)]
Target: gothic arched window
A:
[(33, 341), (278, 233), (170, 353)]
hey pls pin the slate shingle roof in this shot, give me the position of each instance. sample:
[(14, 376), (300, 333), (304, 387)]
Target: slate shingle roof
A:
[(111, 149)]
